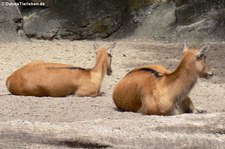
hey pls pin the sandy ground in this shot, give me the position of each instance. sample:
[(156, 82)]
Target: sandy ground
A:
[(207, 94)]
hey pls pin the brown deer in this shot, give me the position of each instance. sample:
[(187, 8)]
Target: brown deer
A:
[(154, 90), (58, 80)]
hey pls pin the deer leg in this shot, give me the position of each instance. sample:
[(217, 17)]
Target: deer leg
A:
[(97, 94), (151, 106), (188, 107), (89, 90), (82, 93)]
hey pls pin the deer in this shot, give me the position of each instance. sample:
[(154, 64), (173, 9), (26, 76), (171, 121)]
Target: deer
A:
[(155, 90), (59, 80)]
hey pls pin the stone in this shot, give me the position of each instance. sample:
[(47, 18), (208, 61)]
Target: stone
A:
[(75, 20)]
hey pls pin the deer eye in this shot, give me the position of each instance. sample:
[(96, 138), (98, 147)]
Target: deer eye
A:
[(201, 57), (109, 55)]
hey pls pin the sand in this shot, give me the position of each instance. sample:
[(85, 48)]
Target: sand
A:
[(97, 116)]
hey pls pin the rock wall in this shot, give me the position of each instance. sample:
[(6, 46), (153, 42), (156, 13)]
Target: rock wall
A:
[(203, 19), (72, 20), (170, 20), (179, 20)]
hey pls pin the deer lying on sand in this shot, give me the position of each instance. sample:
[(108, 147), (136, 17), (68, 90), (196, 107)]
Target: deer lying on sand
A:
[(154, 90), (58, 80)]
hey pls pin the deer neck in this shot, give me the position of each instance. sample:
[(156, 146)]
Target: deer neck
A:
[(99, 70), (182, 80)]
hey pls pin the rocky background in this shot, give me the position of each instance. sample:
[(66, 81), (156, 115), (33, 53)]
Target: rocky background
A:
[(168, 20)]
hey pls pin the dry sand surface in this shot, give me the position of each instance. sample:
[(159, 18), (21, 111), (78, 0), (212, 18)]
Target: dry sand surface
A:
[(69, 122)]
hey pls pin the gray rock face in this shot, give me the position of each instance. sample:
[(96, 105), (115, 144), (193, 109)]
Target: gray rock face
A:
[(168, 20), (156, 22), (183, 20), (75, 19), (201, 20), (10, 21)]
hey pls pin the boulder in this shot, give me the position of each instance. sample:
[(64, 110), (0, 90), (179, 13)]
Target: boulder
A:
[(72, 20)]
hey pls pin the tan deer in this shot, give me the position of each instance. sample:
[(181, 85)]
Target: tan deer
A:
[(58, 80), (154, 90)]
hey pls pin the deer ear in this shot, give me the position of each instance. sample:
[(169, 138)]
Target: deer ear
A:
[(185, 46), (111, 47), (202, 50), (95, 46)]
